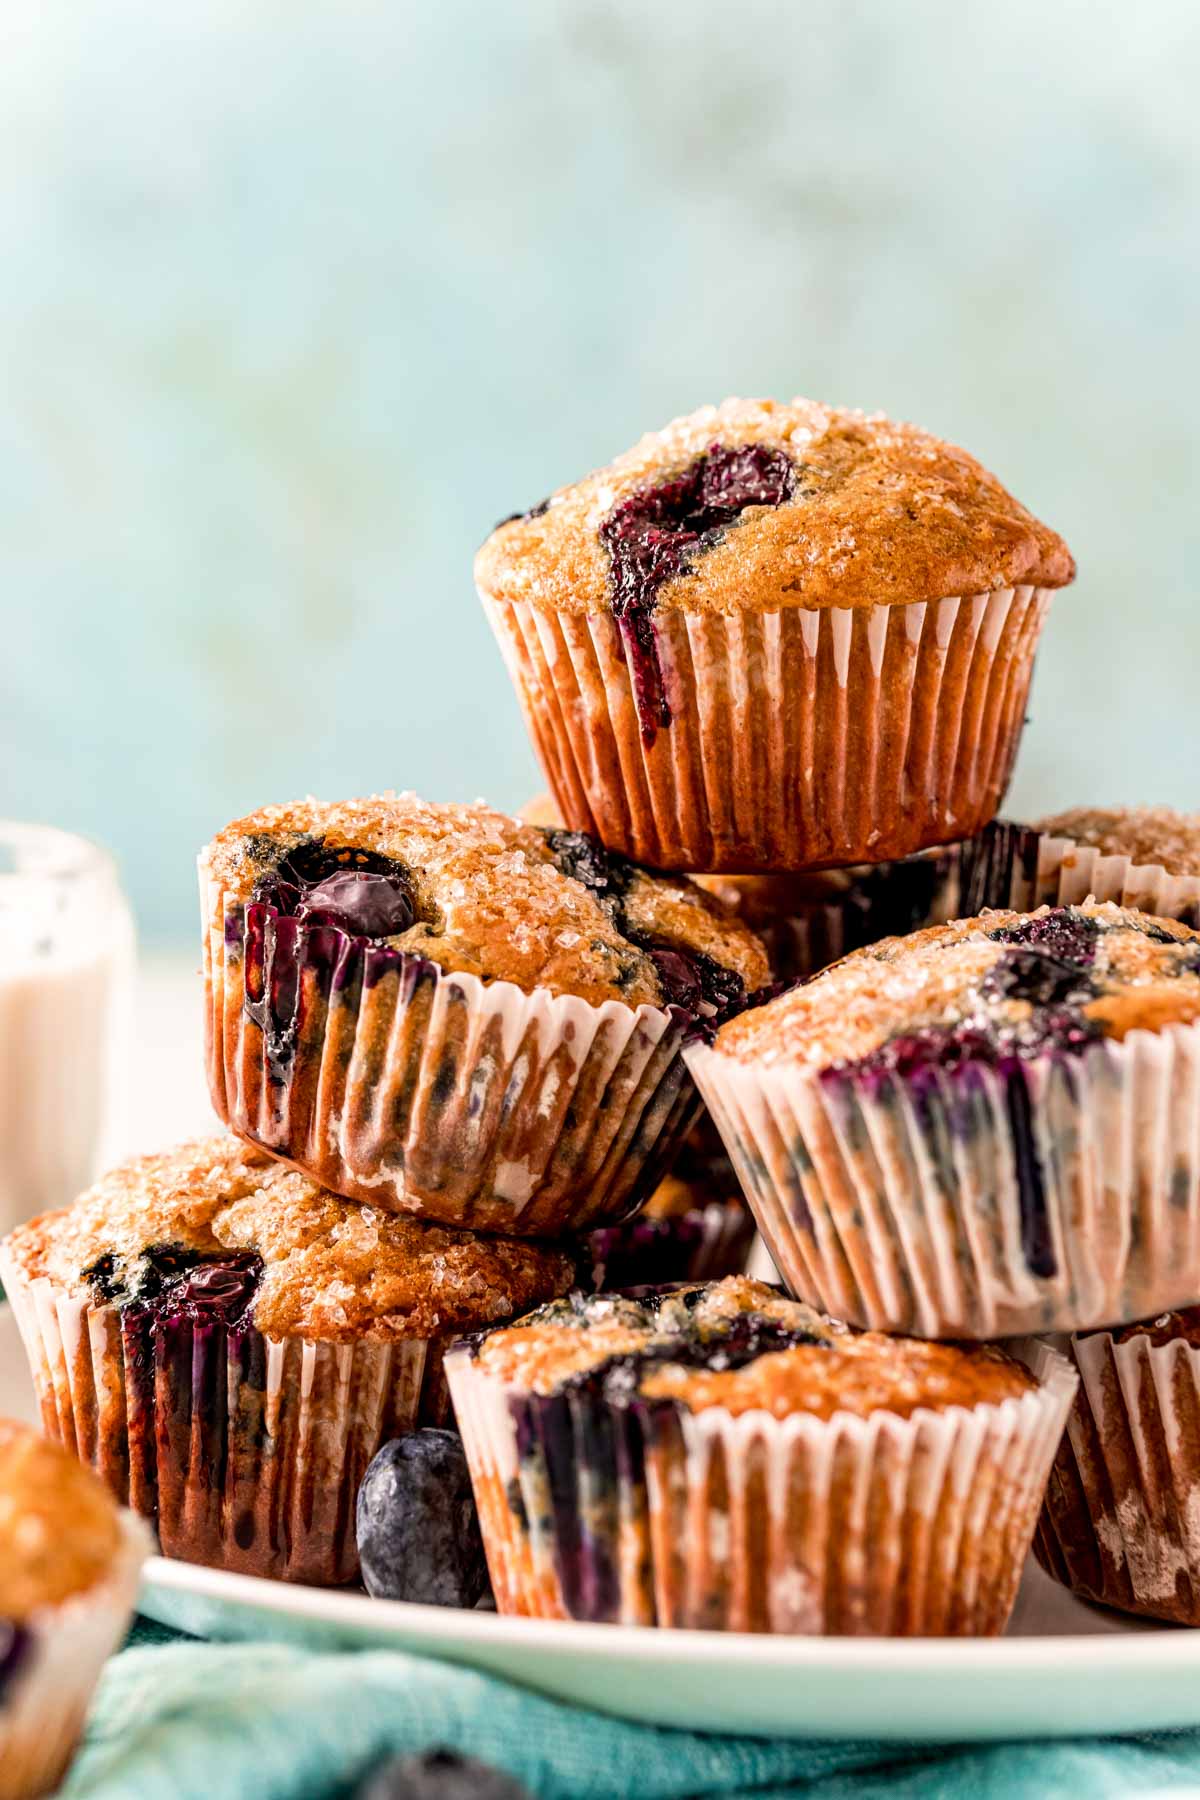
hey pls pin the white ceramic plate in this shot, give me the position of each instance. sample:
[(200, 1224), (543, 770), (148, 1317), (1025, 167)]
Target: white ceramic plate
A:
[(1064, 1669)]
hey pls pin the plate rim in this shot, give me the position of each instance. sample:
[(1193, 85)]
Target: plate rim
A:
[(1156, 1642)]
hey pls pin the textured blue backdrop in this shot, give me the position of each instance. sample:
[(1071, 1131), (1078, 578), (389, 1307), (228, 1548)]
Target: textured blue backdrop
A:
[(298, 300)]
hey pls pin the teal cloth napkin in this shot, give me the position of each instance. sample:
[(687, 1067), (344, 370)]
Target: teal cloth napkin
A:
[(191, 1721)]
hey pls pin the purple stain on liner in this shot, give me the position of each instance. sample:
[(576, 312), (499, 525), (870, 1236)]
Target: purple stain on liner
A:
[(657, 533), (182, 1316), (1037, 1243)]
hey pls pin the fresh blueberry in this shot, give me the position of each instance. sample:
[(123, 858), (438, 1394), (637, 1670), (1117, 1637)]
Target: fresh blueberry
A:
[(418, 1535), (440, 1775)]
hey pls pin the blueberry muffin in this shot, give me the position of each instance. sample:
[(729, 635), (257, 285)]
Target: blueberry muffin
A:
[(987, 1128), (720, 1457), (444, 1011), (1121, 1523), (775, 637), (69, 1562), (229, 1344)]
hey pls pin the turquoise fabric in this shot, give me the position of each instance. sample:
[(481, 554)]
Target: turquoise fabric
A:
[(190, 1721)]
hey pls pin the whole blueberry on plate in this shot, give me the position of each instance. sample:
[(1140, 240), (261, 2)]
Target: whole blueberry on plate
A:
[(439, 1775), (418, 1535)]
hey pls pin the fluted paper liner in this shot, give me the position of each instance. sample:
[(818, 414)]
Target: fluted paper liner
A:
[(653, 1515), (1024, 869), (42, 1711), (1121, 1523), (245, 1452), (470, 1103), (797, 738), (705, 1243), (1054, 1194)]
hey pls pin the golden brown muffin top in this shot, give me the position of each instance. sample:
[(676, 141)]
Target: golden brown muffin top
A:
[(58, 1524), (477, 892), (331, 1270), (743, 1346), (851, 509), (1145, 834), (1002, 984)]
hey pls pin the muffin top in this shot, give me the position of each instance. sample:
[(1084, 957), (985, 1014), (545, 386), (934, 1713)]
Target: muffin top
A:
[(755, 505), (1145, 834), (216, 1230), (58, 1524), (987, 989), (471, 890), (743, 1346)]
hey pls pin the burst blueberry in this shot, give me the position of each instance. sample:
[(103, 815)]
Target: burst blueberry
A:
[(657, 533)]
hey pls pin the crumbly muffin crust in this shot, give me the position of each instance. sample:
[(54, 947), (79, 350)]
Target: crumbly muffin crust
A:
[(999, 981), (332, 1270), (501, 899), (793, 1360), (877, 511), (1145, 834), (58, 1524)]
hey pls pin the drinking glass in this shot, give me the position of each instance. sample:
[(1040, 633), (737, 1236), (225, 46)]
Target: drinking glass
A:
[(66, 994)]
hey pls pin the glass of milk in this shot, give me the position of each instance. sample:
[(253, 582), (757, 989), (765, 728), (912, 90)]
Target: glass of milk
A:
[(66, 976)]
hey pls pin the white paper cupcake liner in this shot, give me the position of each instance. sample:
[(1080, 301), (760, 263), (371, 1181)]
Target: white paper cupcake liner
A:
[(468, 1103), (649, 1514), (797, 738), (64, 1648), (1024, 869), (1121, 1523), (1057, 1194), (244, 1452)]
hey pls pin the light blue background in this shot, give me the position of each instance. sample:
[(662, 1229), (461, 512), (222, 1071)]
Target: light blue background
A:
[(297, 299)]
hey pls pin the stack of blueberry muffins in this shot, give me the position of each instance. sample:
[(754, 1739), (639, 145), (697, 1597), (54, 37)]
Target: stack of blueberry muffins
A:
[(505, 1098)]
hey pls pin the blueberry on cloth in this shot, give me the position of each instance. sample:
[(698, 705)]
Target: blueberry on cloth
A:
[(418, 1535), (439, 1775)]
